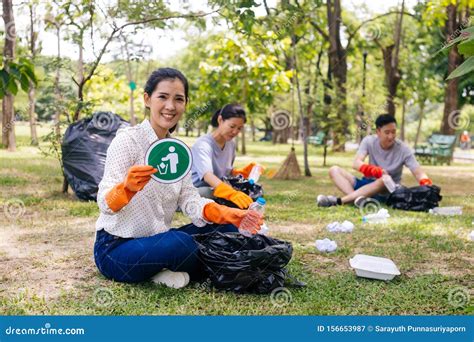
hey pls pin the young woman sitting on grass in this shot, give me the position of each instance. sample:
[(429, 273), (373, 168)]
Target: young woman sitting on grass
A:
[(135, 241), (214, 155)]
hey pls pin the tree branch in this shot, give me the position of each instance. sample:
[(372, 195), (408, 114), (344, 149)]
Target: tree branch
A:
[(320, 30), (138, 22), (352, 34)]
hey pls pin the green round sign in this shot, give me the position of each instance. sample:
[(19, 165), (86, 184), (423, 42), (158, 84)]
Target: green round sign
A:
[(171, 157)]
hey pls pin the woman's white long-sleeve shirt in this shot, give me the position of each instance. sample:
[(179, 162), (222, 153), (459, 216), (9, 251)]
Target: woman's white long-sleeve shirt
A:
[(151, 210)]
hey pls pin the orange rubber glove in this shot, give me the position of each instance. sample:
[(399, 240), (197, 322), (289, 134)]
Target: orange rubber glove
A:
[(221, 214), (426, 181), (244, 171), (371, 170), (121, 194), (224, 190)]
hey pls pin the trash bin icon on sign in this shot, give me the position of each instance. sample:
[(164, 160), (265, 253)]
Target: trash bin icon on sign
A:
[(171, 157)]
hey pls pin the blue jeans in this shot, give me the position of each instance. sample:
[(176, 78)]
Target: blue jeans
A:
[(360, 182), (133, 260)]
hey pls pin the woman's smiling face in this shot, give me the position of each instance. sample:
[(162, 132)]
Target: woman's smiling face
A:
[(167, 104)]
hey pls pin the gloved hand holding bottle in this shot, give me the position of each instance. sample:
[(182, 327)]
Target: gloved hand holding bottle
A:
[(256, 209)]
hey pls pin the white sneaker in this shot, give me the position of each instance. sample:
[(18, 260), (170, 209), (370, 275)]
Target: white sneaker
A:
[(175, 280)]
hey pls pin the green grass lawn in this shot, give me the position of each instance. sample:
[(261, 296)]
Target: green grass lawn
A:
[(47, 266)]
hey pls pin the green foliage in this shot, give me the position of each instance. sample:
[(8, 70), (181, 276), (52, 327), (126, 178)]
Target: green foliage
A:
[(109, 91), (16, 75), (132, 11), (226, 68), (465, 45)]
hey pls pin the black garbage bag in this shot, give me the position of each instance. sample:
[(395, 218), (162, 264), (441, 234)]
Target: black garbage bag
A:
[(254, 190), (418, 198), (244, 264), (84, 149)]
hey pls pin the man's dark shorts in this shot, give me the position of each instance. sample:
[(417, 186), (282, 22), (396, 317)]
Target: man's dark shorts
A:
[(360, 182)]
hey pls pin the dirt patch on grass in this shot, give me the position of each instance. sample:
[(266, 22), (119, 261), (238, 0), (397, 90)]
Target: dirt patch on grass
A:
[(457, 266), (46, 261)]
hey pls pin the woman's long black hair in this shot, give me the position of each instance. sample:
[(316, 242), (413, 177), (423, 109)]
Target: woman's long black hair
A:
[(232, 110)]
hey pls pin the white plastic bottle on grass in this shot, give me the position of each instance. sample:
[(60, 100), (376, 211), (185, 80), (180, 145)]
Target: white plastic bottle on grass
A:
[(379, 217), (255, 173), (246, 225), (446, 211)]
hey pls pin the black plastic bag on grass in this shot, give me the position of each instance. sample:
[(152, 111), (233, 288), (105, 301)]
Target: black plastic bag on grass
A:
[(254, 190), (244, 264), (418, 198), (84, 149)]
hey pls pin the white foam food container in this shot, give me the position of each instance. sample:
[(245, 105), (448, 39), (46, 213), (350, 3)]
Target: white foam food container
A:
[(368, 266)]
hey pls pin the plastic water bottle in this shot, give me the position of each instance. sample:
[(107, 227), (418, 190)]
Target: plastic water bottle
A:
[(379, 217), (255, 173), (446, 211), (264, 229), (246, 224), (390, 183)]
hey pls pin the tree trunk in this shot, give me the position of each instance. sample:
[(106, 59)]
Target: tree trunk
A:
[(57, 79), (133, 120), (402, 130), (451, 91), (8, 118), (338, 68), (392, 79), (252, 126), (65, 185), (244, 101), (307, 171), (32, 114), (80, 77), (418, 130), (31, 91), (244, 148), (390, 61)]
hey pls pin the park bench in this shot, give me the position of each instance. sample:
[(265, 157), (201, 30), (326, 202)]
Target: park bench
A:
[(438, 149), (317, 139)]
